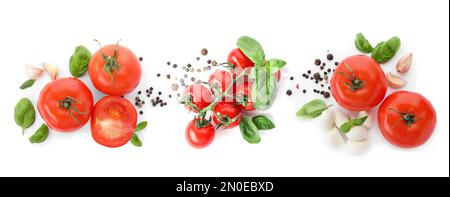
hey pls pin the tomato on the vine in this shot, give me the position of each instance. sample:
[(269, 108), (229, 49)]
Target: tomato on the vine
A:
[(199, 133), (227, 114), (244, 95), (222, 79), (65, 104), (358, 83), (113, 121), (196, 97), (406, 119), (114, 70)]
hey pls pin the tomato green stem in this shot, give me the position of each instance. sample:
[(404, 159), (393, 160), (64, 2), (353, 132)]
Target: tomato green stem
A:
[(67, 103), (111, 66), (355, 83), (407, 117)]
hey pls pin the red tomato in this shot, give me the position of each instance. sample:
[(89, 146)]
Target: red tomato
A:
[(113, 121), (239, 59), (199, 136), (197, 95), (358, 83), (244, 91), (114, 73), (229, 114), (65, 104), (406, 119), (222, 80)]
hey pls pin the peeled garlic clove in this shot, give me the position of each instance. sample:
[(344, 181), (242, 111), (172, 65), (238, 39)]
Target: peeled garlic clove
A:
[(340, 118), (327, 119), (51, 69), (404, 64), (395, 81), (334, 138), (358, 147), (357, 133), (368, 122), (33, 72)]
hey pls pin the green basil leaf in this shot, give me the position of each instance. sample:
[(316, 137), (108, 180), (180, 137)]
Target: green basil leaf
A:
[(249, 131), (79, 61), (141, 126), (345, 128), (362, 44), (277, 63), (40, 135), (312, 109), (252, 49), (24, 114), (384, 51), (28, 83), (359, 121), (263, 123), (135, 140), (265, 87)]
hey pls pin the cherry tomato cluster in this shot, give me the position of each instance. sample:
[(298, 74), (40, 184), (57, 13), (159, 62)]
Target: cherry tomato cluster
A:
[(226, 96), (66, 104)]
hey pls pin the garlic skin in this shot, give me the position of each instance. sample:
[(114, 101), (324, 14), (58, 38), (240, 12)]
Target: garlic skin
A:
[(395, 81), (326, 119), (340, 118), (369, 120), (358, 147), (334, 138), (404, 64), (33, 72), (51, 69), (357, 133)]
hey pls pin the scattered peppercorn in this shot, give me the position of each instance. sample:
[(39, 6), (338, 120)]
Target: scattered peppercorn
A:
[(304, 91), (291, 78), (158, 75), (326, 94), (317, 62), (141, 58), (330, 56), (204, 51), (289, 92)]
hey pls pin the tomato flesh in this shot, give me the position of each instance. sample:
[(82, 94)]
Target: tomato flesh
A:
[(113, 121)]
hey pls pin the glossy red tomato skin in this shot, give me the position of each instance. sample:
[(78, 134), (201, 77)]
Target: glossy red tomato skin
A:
[(246, 89), (232, 110), (239, 59), (58, 118), (222, 79), (113, 121), (200, 95), (199, 137), (127, 77), (366, 69), (398, 132)]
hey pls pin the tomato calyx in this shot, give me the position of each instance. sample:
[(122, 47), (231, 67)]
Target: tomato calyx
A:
[(67, 103), (225, 120), (355, 83), (202, 122), (111, 65), (407, 117)]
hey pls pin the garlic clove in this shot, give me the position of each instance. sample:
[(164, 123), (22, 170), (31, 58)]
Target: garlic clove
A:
[(358, 147), (334, 138), (357, 133), (51, 69), (404, 64), (33, 72), (340, 118), (395, 81), (326, 119), (369, 120)]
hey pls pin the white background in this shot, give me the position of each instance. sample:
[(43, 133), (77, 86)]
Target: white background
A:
[(296, 31)]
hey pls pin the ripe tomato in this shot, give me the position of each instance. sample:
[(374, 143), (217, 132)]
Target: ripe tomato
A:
[(222, 80), (229, 115), (196, 97), (406, 119), (244, 94), (113, 121), (65, 104), (239, 59), (358, 83), (114, 70), (198, 135)]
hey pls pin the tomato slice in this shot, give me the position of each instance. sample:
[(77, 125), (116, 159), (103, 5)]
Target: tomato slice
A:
[(113, 121)]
